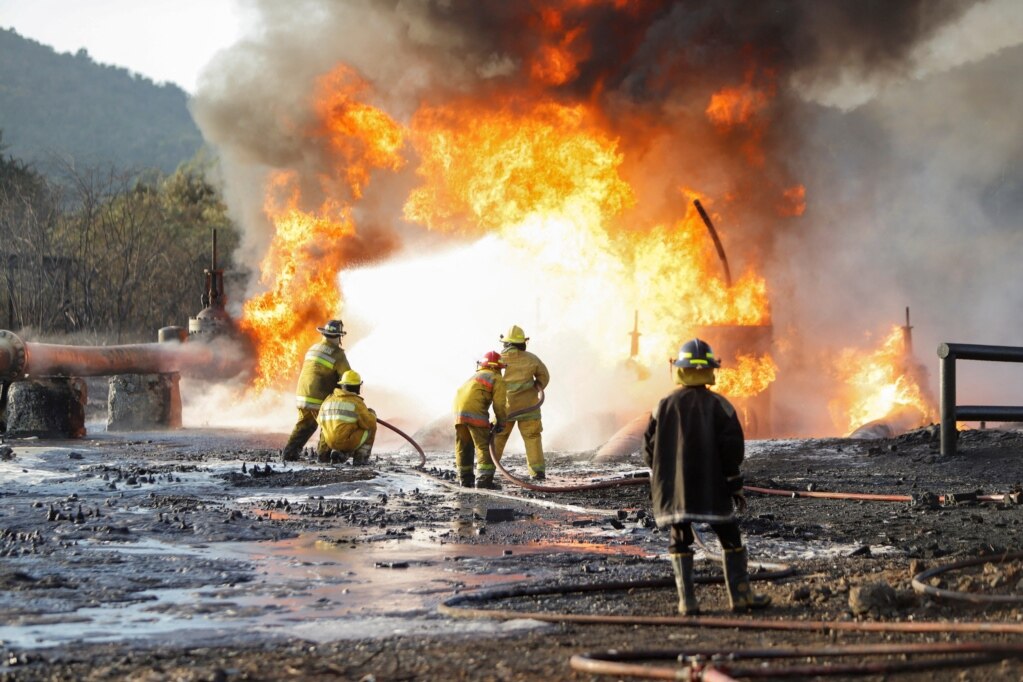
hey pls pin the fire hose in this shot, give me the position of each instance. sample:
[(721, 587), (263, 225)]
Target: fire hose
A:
[(422, 455), (713, 665), (613, 663), (619, 663), (599, 485)]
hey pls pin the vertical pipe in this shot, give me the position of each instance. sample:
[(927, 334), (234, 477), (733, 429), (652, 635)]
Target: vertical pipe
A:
[(948, 404)]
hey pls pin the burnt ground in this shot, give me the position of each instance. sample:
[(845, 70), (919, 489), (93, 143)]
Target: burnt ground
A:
[(193, 556)]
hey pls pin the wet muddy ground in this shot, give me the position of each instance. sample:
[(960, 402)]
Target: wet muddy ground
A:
[(193, 555)]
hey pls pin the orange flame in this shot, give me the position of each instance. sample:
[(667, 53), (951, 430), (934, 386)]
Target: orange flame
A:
[(308, 248), (544, 176), (735, 106), (750, 376), (793, 202), (547, 178), (741, 108), (879, 383)]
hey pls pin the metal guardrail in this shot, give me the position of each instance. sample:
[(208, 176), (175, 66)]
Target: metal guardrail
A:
[(950, 412)]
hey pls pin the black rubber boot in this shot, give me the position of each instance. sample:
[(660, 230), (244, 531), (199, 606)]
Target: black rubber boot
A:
[(740, 595), (487, 481), (683, 567), (467, 481)]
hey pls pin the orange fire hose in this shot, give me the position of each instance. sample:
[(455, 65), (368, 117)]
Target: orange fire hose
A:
[(698, 663)]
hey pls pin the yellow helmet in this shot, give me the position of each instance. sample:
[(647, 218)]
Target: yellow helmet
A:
[(350, 378), (515, 335)]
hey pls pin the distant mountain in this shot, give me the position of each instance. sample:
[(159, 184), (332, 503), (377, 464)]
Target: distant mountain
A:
[(69, 106)]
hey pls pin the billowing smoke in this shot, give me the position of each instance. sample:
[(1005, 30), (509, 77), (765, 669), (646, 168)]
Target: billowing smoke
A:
[(901, 120)]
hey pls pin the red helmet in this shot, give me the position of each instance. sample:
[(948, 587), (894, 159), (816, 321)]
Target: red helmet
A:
[(491, 360)]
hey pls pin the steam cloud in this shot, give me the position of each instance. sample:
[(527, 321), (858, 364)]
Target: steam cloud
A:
[(902, 125)]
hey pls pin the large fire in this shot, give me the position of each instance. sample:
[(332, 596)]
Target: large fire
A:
[(542, 176), (308, 248), (880, 384)]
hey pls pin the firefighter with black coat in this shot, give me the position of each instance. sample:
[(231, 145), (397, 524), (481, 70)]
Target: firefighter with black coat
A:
[(694, 445)]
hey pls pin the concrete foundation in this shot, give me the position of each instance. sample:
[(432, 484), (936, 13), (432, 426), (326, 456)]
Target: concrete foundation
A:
[(144, 402), (48, 408)]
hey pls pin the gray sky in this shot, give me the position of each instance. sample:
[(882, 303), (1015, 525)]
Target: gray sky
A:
[(165, 40)]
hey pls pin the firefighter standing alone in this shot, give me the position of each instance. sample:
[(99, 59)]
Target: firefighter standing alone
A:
[(694, 445), (524, 376), (324, 364)]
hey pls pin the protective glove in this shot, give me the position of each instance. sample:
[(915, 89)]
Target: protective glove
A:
[(739, 500), (496, 428)]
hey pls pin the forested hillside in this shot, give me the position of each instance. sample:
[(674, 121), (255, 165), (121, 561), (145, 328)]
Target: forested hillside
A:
[(69, 107)]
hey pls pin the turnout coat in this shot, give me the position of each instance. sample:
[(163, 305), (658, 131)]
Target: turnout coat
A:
[(694, 445)]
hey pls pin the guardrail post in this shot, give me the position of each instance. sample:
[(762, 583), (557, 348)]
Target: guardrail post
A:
[(947, 377)]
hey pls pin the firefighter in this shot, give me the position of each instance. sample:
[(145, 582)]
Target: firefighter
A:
[(347, 426), (472, 421), (525, 375), (694, 445), (324, 364)]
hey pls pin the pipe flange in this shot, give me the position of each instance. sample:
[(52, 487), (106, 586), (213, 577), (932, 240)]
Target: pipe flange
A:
[(13, 356)]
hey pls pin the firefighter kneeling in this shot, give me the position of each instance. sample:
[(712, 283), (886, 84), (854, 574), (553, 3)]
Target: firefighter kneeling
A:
[(347, 426)]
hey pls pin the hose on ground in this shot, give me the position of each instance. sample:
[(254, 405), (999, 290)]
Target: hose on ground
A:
[(599, 485), (470, 606), (920, 581), (697, 663), (422, 455)]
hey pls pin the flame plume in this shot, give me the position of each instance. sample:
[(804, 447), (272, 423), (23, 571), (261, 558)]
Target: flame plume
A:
[(879, 383), (308, 248)]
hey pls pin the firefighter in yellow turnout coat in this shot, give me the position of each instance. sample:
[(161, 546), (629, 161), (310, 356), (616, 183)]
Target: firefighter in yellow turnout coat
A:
[(324, 364), (472, 421), (347, 426), (524, 376)]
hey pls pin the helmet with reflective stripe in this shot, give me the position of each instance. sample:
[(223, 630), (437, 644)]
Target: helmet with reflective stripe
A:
[(350, 378), (333, 329), (491, 360), (515, 335), (696, 353)]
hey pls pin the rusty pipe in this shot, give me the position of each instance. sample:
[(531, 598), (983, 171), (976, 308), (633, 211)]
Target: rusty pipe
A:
[(21, 360)]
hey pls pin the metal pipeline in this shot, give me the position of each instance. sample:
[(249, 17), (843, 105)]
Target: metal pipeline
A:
[(20, 359)]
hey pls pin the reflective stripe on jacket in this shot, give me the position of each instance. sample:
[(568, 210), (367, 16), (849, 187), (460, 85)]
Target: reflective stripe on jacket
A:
[(694, 446), (345, 420), (524, 372), (473, 400), (324, 364)]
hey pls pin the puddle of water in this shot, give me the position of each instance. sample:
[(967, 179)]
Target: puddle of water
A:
[(318, 587)]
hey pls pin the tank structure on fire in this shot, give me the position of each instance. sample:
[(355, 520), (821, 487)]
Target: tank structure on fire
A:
[(144, 374)]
